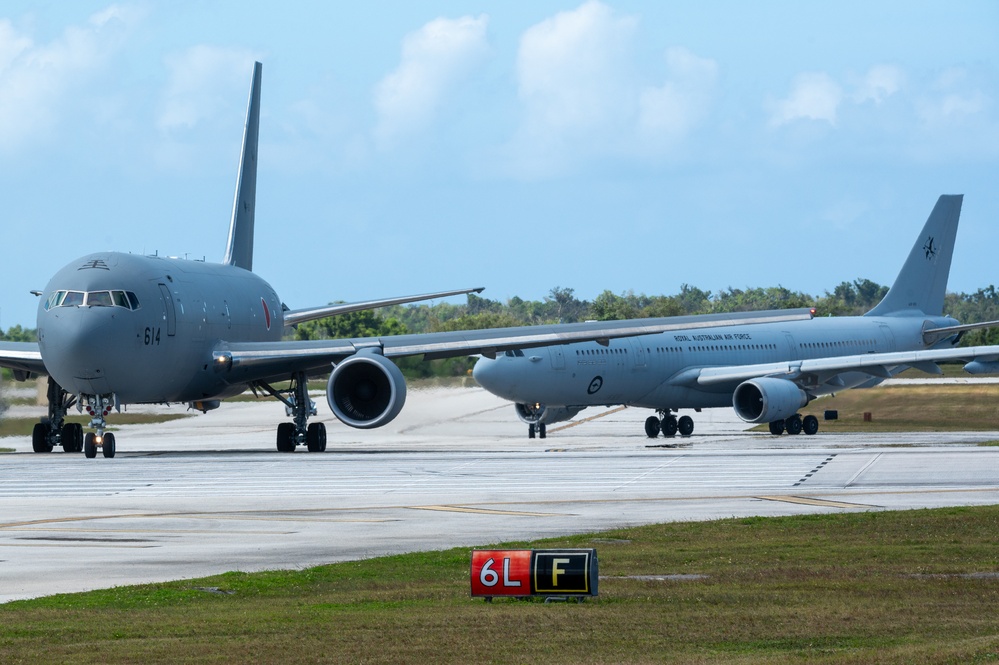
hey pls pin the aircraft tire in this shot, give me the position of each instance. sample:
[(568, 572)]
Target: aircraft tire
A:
[(40, 438), (685, 425), (542, 431), (286, 437), (669, 426), (777, 427), (72, 438), (810, 425), (530, 431), (316, 438), (793, 424), (652, 427), (89, 446), (108, 448)]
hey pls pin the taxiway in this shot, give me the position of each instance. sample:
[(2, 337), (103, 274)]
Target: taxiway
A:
[(209, 494)]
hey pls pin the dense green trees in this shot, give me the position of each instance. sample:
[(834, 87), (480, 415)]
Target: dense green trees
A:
[(562, 306)]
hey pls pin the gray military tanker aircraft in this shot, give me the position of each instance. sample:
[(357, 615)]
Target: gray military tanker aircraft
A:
[(766, 372), (117, 329)]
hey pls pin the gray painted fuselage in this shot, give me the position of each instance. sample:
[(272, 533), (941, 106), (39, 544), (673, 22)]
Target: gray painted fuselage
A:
[(650, 371), (146, 354)]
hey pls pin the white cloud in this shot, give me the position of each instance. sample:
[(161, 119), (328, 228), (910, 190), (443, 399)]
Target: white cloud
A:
[(670, 111), (880, 82), (583, 98), (435, 59), (202, 82), (813, 96), (952, 98), (35, 79)]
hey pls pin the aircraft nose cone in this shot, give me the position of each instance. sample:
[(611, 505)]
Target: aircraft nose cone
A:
[(484, 373), (74, 346), (495, 376)]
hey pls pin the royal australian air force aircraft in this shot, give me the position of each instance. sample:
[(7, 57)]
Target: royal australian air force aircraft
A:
[(117, 329), (766, 372)]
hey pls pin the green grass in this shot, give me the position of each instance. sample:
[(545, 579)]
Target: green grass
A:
[(876, 587)]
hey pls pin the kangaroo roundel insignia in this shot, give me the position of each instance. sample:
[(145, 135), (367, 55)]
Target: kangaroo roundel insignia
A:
[(596, 384)]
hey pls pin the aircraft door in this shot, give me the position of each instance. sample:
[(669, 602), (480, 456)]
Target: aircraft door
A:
[(889, 337), (639, 350), (792, 348), (557, 355), (170, 312)]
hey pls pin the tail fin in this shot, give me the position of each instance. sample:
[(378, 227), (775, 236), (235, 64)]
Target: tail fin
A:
[(922, 282), (239, 247)]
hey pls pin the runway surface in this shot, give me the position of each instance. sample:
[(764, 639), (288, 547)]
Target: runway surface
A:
[(209, 494)]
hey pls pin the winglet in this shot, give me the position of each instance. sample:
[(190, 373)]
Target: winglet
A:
[(239, 247), (922, 283)]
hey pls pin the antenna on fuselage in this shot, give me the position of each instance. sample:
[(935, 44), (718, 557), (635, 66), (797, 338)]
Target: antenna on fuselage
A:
[(239, 247)]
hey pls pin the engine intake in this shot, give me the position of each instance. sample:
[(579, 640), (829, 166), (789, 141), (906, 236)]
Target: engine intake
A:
[(539, 414), (366, 390), (767, 399)]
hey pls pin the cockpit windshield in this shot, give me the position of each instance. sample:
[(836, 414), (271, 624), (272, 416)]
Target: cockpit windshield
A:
[(125, 299)]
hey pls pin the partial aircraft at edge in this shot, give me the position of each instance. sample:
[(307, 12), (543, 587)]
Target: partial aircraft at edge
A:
[(117, 329), (766, 372)]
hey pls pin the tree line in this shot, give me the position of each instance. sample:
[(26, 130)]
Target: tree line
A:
[(562, 306)]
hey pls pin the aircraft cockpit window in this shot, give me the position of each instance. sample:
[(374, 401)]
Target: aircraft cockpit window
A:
[(99, 299), (124, 299), (514, 353), (72, 299)]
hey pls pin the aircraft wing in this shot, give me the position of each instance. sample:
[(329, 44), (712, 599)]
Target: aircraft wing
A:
[(250, 361), (23, 358), (294, 317), (818, 371)]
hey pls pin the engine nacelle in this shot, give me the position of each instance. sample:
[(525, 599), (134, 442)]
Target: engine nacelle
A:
[(982, 367), (539, 414), (366, 390), (767, 399)]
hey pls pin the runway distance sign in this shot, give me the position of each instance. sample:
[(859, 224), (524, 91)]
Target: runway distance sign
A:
[(520, 573)]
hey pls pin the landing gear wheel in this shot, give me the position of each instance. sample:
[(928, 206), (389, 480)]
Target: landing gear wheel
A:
[(685, 425), (40, 438), (810, 425), (90, 445), (542, 430), (669, 426), (286, 438), (316, 438), (652, 427), (530, 431), (72, 438), (108, 447), (777, 427), (793, 424)]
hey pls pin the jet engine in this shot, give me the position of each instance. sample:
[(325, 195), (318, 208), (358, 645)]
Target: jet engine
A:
[(767, 399), (539, 414), (366, 390)]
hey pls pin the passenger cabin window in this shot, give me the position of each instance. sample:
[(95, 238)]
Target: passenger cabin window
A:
[(125, 299)]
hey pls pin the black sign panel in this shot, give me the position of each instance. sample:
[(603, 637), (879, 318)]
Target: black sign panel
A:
[(564, 572)]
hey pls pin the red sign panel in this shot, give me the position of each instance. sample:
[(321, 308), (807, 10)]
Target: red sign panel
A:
[(501, 573)]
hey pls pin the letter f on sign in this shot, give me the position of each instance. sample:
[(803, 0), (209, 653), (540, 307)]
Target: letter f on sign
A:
[(556, 571)]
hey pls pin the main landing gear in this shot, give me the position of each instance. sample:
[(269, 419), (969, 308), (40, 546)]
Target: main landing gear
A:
[(298, 405), (53, 430), (669, 425), (795, 425)]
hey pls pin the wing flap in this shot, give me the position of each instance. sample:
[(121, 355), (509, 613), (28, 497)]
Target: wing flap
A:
[(876, 364)]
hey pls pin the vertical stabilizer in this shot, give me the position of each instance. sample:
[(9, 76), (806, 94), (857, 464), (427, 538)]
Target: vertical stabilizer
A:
[(239, 248), (921, 284)]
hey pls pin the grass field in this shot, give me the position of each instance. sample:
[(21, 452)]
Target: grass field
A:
[(876, 587)]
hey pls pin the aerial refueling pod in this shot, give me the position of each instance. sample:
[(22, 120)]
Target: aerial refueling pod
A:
[(539, 414), (366, 390), (767, 399)]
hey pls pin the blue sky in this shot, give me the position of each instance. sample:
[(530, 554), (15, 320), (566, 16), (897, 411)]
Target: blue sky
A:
[(418, 146)]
